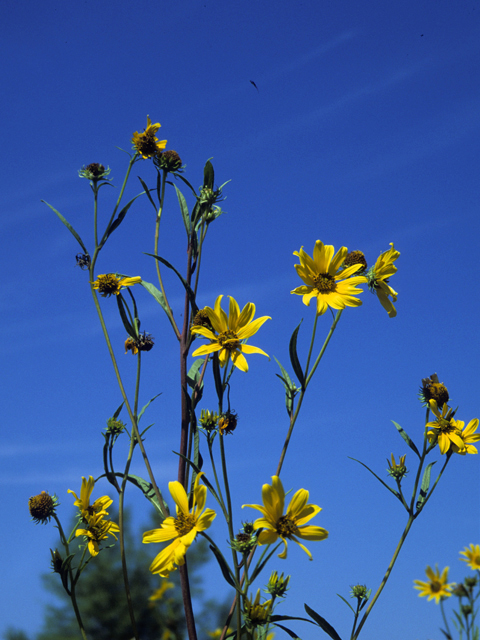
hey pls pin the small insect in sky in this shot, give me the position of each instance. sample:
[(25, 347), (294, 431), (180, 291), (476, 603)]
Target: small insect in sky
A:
[(252, 82)]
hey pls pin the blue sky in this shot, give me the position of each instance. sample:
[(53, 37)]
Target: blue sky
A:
[(364, 131)]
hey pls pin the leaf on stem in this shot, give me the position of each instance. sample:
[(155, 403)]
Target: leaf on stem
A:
[(406, 437), (147, 191), (291, 633), (395, 493), (322, 623), (188, 288), (68, 225), (146, 406), (294, 357), (184, 211), (225, 569), (347, 603), (158, 295), (208, 175), (425, 485), (118, 220)]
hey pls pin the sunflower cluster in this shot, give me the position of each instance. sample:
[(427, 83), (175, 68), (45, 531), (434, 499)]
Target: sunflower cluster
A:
[(98, 528)]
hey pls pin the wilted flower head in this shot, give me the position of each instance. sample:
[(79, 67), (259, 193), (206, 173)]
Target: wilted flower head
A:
[(201, 319), (356, 257), (146, 144), (227, 423), (94, 172), (108, 284), (42, 507), (378, 277), (144, 342), (432, 389), (83, 260), (168, 160)]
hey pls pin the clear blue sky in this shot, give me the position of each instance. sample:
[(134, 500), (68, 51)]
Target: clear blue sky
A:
[(364, 131)]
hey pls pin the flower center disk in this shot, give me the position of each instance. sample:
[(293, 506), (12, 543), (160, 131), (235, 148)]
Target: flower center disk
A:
[(286, 527), (184, 523), (229, 340), (324, 282)]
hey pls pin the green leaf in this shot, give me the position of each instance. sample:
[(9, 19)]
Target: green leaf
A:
[(126, 322), (147, 191), (148, 491), (117, 412), (193, 377), (158, 295), (291, 633), (184, 210), (188, 288), (225, 569), (178, 175), (407, 438), (69, 227), (322, 623), (208, 175), (285, 375), (395, 493), (294, 357), (118, 220), (146, 406), (425, 485)]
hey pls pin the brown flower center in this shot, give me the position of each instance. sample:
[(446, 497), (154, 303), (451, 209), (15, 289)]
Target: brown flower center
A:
[(286, 527), (324, 282), (229, 340), (184, 523), (436, 586)]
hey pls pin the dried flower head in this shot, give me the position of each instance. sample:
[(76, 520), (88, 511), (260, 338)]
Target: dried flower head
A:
[(144, 342), (227, 423), (356, 257), (94, 172), (168, 160), (42, 507), (432, 389), (83, 261), (201, 319)]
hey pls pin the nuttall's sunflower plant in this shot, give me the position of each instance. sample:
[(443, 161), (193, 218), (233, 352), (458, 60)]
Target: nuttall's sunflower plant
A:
[(465, 593), (452, 437)]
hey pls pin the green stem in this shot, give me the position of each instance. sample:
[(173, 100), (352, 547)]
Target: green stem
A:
[(308, 377), (385, 578)]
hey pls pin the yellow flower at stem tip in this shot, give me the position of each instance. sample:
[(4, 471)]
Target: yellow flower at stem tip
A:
[(183, 528), (87, 510), (467, 435), (275, 524), (146, 144), (98, 530), (472, 556), (231, 331), (325, 280), (378, 277), (445, 429), (437, 586), (108, 284)]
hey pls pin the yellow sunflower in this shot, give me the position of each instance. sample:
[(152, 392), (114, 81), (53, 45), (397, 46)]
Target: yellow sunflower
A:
[(183, 528), (275, 524), (146, 144), (378, 277), (445, 429), (468, 436), (437, 586), (98, 530), (108, 284), (231, 331), (472, 556), (325, 280), (98, 508)]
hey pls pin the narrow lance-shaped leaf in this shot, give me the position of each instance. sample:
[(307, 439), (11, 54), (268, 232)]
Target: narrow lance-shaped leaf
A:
[(188, 289), (294, 357), (406, 437), (144, 408), (147, 191), (225, 569), (395, 493), (118, 220), (69, 227), (123, 315), (322, 623), (156, 293), (291, 633), (208, 175), (184, 211), (425, 485)]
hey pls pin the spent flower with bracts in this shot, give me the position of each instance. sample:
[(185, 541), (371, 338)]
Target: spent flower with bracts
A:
[(437, 585), (326, 280), (146, 143), (229, 332), (291, 525), (378, 276), (42, 507), (472, 556), (182, 529), (449, 433), (433, 389), (109, 284), (98, 529), (87, 510)]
